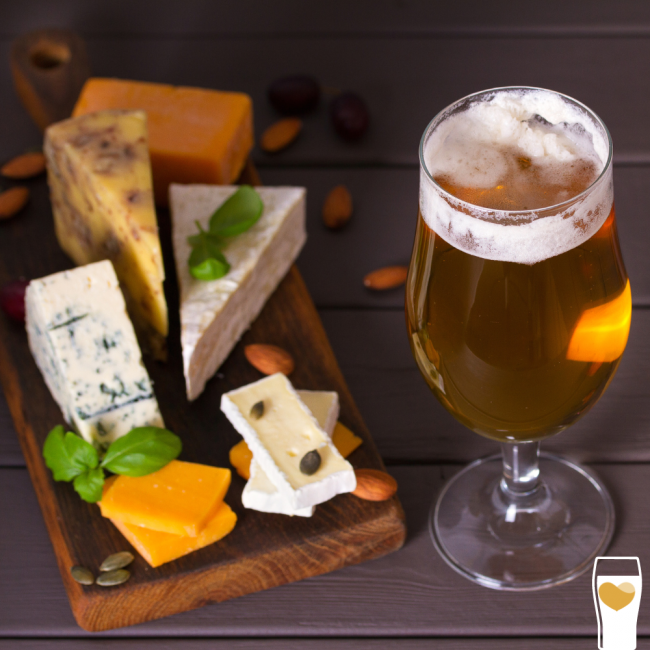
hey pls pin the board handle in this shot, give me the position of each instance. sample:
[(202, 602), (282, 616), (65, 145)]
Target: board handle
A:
[(49, 68)]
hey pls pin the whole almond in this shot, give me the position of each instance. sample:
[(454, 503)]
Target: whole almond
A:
[(281, 134), (24, 166), (388, 277), (337, 208), (373, 485), (269, 359), (13, 201)]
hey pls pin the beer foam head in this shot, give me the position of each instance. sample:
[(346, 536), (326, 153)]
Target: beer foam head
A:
[(471, 145)]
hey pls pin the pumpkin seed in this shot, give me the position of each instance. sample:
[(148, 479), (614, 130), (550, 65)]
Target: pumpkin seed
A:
[(117, 561), (82, 575), (310, 462), (257, 410), (112, 578)]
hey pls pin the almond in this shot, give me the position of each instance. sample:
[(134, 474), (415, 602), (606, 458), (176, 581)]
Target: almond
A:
[(337, 208), (281, 134), (373, 485), (388, 277), (13, 201), (25, 166), (269, 359)]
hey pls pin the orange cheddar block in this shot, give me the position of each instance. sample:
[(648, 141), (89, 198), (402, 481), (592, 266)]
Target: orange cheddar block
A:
[(195, 135), (600, 335), (157, 548), (179, 499)]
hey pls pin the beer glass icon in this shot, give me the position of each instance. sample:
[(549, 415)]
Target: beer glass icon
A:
[(617, 589)]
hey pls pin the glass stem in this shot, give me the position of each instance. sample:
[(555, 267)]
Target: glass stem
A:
[(520, 469)]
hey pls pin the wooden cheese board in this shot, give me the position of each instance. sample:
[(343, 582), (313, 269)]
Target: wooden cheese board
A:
[(264, 550)]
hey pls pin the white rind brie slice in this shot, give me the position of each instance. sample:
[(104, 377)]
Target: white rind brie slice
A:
[(85, 347), (259, 492), (215, 314), (282, 436)]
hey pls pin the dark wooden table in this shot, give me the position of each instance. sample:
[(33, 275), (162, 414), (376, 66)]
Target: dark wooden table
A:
[(409, 59)]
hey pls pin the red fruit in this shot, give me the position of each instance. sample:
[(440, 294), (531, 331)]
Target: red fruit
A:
[(12, 299), (349, 115)]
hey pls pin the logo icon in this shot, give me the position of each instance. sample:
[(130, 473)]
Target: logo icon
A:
[(617, 585)]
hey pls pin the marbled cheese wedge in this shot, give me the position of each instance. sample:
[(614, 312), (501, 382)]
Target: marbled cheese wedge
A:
[(84, 344), (280, 438), (100, 185), (215, 314), (260, 493)]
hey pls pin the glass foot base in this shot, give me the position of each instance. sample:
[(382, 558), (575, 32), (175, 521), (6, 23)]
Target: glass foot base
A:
[(536, 541)]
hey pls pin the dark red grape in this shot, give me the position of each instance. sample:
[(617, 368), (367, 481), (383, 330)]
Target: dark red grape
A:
[(12, 299), (349, 115), (294, 95)]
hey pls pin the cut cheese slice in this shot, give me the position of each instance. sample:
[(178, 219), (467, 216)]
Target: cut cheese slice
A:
[(282, 436), (84, 344), (100, 186), (196, 135), (215, 314), (260, 493), (157, 548), (179, 499), (344, 440)]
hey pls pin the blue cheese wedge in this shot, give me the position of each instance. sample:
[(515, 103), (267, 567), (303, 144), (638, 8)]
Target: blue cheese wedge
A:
[(85, 347), (281, 437), (215, 314), (260, 493)]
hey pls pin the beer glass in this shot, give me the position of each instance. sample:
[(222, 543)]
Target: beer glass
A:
[(617, 585), (518, 310)]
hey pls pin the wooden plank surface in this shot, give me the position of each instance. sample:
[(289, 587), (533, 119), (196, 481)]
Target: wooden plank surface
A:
[(362, 17), (305, 644), (411, 593), (404, 81), (408, 424)]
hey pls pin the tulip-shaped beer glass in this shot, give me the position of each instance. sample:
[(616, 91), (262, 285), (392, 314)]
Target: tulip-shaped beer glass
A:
[(518, 310)]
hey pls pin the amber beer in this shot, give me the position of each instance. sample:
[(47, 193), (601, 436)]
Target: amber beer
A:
[(518, 351)]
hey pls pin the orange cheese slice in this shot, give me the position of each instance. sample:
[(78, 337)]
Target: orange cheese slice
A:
[(157, 548), (179, 499), (240, 458), (344, 440), (195, 135), (601, 333)]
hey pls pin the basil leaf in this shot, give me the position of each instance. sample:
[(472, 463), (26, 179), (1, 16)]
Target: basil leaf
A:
[(89, 484), (238, 213), (68, 455), (142, 451), (206, 259), (210, 269)]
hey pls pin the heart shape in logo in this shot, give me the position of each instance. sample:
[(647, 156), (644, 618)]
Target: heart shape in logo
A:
[(616, 597)]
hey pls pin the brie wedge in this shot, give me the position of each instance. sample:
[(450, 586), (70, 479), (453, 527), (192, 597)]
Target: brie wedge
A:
[(84, 344), (215, 314), (281, 437), (260, 493)]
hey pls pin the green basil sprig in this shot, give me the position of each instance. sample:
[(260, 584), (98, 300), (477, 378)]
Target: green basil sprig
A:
[(236, 215), (141, 451)]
